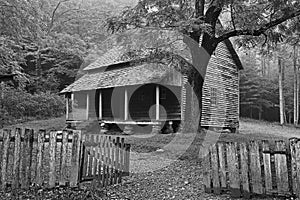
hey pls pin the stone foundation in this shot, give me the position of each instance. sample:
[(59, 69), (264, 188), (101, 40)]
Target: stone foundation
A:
[(156, 129), (128, 130)]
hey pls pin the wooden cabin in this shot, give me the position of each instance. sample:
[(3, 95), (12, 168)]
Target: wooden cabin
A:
[(115, 91)]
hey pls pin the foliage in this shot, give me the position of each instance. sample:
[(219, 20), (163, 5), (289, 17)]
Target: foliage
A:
[(194, 17), (20, 105)]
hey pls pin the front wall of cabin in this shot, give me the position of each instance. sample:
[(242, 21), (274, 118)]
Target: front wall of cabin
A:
[(141, 103), (221, 91)]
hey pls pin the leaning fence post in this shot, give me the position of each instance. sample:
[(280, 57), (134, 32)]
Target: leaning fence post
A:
[(16, 166), (6, 140), (75, 158)]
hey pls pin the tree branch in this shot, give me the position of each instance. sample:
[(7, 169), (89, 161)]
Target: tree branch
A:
[(259, 31), (53, 14)]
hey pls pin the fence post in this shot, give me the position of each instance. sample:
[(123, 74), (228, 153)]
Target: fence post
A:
[(255, 168), (127, 159), (207, 171), (223, 176), (295, 164), (281, 167), (6, 140), (117, 158), (75, 158), (16, 166), (244, 170), (52, 148), (39, 160), (267, 166), (1, 149), (29, 156), (215, 169), (233, 168), (63, 169)]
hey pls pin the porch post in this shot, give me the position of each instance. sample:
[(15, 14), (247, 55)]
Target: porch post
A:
[(72, 105), (126, 104), (67, 107), (87, 105), (157, 103), (100, 104)]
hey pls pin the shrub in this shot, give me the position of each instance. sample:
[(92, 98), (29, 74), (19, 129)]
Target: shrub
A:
[(20, 105)]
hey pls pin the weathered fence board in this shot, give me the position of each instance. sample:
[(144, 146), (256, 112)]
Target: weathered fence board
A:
[(233, 169), (281, 168), (105, 159), (215, 169), (53, 158), (244, 170), (267, 167), (253, 168), (222, 164)]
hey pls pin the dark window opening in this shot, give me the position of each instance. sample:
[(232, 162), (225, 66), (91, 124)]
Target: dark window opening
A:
[(163, 93)]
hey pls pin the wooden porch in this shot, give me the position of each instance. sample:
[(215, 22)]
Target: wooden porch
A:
[(139, 104)]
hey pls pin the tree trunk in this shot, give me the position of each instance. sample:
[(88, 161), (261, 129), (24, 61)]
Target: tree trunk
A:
[(296, 103), (281, 98), (259, 113)]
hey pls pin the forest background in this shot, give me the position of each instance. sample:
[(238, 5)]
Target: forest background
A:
[(46, 42)]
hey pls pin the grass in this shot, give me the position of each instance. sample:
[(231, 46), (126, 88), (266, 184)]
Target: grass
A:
[(48, 124)]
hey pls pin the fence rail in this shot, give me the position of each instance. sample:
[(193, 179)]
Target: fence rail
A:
[(254, 168), (30, 157)]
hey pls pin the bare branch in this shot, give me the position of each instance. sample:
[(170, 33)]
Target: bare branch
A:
[(54, 12)]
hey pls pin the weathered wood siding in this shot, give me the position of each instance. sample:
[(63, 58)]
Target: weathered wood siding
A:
[(222, 75)]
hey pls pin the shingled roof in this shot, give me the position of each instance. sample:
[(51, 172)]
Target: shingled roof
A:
[(111, 57), (135, 75)]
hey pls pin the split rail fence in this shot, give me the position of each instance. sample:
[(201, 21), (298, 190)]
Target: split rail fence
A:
[(41, 158), (254, 168)]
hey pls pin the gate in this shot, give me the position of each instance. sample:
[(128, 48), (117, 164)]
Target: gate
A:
[(104, 159), (254, 168)]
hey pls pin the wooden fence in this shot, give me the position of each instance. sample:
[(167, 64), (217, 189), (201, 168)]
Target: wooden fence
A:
[(106, 159), (43, 158), (254, 168)]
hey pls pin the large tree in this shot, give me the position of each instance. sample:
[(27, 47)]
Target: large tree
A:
[(210, 22)]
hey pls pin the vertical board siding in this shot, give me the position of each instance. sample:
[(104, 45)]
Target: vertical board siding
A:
[(222, 73), (253, 168)]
